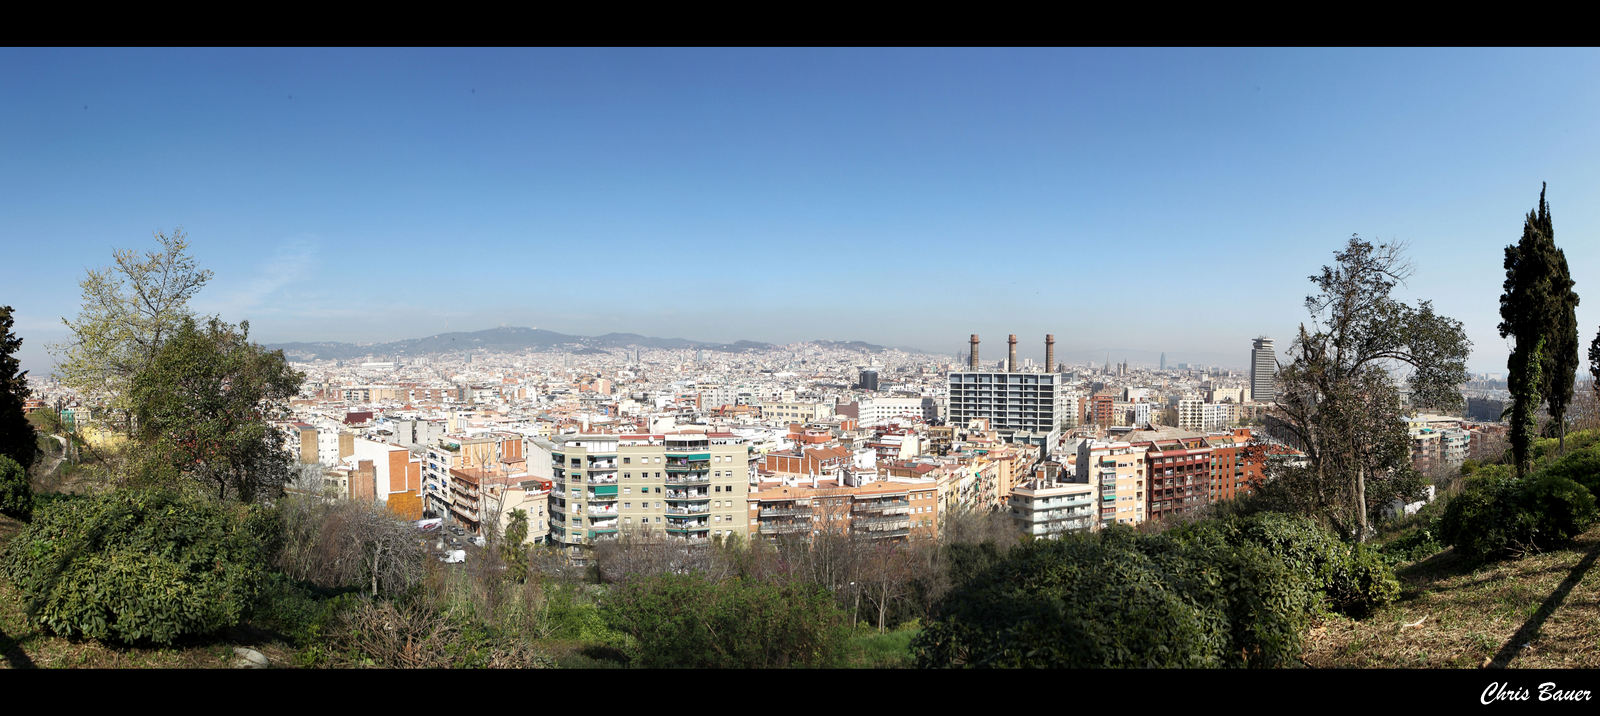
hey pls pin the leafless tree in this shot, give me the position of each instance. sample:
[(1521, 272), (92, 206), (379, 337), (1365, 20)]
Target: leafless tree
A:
[(348, 543), (884, 576)]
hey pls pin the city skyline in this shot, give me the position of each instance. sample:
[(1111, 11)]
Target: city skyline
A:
[(900, 197)]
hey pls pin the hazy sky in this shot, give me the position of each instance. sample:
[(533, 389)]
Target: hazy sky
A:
[(1122, 199)]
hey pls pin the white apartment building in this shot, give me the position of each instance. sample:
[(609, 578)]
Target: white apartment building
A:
[(1052, 509)]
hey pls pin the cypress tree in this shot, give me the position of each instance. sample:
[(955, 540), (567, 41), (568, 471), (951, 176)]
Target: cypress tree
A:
[(18, 440), (1528, 312), (1560, 368)]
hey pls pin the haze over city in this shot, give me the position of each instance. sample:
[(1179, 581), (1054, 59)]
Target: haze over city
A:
[(1128, 201)]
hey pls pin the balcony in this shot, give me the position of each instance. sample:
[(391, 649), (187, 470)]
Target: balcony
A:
[(689, 480), (880, 506), (674, 465), (887, 534), (602, 511), (786, 512), (676, 495), (783, 528)]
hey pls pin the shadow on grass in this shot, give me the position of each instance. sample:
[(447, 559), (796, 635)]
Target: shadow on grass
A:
[(1530, 628), (15, 656)]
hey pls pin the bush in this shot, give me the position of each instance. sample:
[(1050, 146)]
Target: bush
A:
[(687, 620), (1497, 516), (16, 495), (1581, 466), (139, 566), (1076, 602), (1238, 591), (1420, 543)]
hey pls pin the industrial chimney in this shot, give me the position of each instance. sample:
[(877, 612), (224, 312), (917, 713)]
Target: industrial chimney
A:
[(1011, 363), (1049, 352), (972, 361)]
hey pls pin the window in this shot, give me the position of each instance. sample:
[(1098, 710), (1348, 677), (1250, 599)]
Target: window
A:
[(627, 505), (627, 460), (627, 490)]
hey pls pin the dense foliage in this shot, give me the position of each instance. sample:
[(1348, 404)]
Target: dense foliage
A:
[(203, 408), (18, 440), (687, 620), (140, 566), (1498, 516), (1238, 591), (16, 494), (1538, 310)]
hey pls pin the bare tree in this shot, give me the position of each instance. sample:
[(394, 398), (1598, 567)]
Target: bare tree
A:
[(346, 543)]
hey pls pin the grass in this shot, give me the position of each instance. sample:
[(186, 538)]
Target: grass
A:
[(1540, 611), (889, 650)]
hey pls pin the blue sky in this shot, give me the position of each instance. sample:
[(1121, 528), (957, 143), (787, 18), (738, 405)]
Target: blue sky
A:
[(1122, 199)]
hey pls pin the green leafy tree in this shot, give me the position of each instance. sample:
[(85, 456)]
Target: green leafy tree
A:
[(1338, 399), (1538, 308), (16, 494), (140, 566), (689, 621), (18, 440), (204, 406), (128, 310)]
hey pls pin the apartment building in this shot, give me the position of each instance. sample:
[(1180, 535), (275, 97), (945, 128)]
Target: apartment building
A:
[(1179, 475), (1050, 509), (1117, 472), (688, 485), (881, 510)]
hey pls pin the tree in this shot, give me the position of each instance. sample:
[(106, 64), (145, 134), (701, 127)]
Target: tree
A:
[(1594, 364), (16, 493), (203, 408), (516, 552), (18, 440), (129, 309), (1338, 399), (1538, 308)]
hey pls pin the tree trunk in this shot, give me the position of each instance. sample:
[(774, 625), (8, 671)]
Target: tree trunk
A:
[(1361, 503), (1561, 437)]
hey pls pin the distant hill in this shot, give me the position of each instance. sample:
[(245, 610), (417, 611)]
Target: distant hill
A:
[(497, 340)]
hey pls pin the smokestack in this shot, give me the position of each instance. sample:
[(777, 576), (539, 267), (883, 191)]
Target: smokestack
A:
[(972, 361), (1011, 363), (1049, 352)]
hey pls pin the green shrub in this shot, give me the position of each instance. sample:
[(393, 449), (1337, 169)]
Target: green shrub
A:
[(16, 495), (1361, 581), (687, 620), (1076, 602), (1580, 466), (1477, 522), (1562, 508), (1235, 591), (1497, 516), (139, 566), (1420, 543)]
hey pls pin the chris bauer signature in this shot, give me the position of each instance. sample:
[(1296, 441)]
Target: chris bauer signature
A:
[(1547, 692)]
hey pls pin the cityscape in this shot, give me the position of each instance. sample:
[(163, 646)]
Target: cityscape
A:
[(820, 358)]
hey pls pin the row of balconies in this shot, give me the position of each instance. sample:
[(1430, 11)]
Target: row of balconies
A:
[(783, 528)]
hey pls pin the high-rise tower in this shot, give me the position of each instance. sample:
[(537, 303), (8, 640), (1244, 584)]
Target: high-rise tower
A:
[(1263, 371)]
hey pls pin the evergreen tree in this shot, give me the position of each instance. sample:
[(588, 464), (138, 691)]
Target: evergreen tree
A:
[(1560, 355), (204, 409), (1530, 310), (18, 440)]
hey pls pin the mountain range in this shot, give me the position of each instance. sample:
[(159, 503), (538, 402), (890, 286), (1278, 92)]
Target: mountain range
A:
[(518, 339)]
